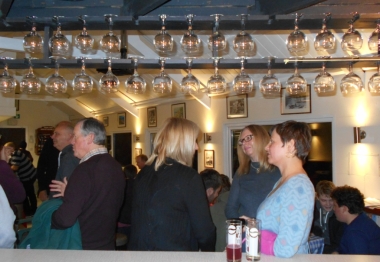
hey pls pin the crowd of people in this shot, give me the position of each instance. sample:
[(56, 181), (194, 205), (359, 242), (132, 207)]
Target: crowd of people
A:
[(166, 205)]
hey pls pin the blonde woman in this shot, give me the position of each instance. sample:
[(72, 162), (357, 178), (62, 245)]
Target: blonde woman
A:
[(255, 177), (170, 208)]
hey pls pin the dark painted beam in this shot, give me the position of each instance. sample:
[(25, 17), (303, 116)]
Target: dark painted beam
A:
[(279, 7), (5, 7), (138, 8)]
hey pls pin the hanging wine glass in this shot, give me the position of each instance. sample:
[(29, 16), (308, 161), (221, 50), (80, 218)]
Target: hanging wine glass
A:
[(59, 45), (297, 40), (109, 83), (56, 84), (374, 40), (7, 82), (189, 84), (243, 43), (163, 41), (352, 39), (269, 84), (110, 43), (242, 83), (135, 84), (374, 82), (190, 42), (324, 40), (296, 84), (162, 83), (324, 82), (216, 83), (84, 42), (33, 42), (351, 83), (30, 84), (216, 41), (82, 82)]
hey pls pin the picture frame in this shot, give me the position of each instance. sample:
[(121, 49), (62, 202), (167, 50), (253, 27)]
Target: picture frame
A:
[(209, 159), (105, 120), (237, 106), (121, 120), (179, 110), (295, 104), (138, 151), (152, 116)]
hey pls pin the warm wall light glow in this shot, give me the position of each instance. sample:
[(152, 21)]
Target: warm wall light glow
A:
[(137, 125), (361, 114)]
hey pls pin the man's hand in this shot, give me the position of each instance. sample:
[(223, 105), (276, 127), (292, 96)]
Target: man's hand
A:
[(58, 186), (43, 195)]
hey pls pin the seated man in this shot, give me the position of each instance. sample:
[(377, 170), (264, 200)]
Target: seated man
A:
[(140, 160), (325, 223), (361, 234), (213, 184)]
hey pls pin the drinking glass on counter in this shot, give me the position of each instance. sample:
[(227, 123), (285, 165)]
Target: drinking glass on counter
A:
[(233, 240), (253, 238)]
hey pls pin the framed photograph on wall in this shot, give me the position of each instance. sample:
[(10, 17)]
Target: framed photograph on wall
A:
[(179, 110), (138, 151), (209, 159), (121, 120), (152, 116), (237, 106), (300, 104), (105, 120)]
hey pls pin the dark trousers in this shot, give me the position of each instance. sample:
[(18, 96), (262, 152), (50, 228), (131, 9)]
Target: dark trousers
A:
[(30, 202)]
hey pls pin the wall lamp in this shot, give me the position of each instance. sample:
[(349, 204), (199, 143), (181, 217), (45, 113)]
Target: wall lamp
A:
[(359, 135), (136, 138), (207, 138)]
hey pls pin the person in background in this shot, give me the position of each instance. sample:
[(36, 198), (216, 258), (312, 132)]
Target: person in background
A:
[(287, 212), (67, 162), (12, 186), (26, 172), (218, 216), (255, 177), (361, 234), (170, 210), (46, 168), (325, 223), (23, 145), (95, 192), (141, 160), (124, 221), (213, 184), (7, 219)]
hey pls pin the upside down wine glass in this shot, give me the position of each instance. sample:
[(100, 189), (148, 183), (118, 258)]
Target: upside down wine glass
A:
[(7, 82), (190, 42), (189, 84), (324, 40), (269, 84), (216, 83), (243, 43), (84, 42), (163, 41), (352, 39), (135, 84), (374, 40), (56, 84), (162, 83), (374, 82), (297, 40), (351, 83), (216, 41), (242, 83), (296, 84), (110, 43), (32, 41), (109, 83), (30, 84), (59, 45), (324, 82), (82, 82)]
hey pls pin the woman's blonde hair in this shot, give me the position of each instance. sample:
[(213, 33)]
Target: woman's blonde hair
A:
[(261, 138), (176, 139)]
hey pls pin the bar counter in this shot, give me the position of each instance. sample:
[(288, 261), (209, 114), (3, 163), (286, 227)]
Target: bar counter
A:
[(21, 255)]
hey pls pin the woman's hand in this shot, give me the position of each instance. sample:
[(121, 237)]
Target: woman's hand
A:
[(58, 186)]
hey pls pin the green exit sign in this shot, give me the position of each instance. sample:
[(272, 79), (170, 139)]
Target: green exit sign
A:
[(17, 116)]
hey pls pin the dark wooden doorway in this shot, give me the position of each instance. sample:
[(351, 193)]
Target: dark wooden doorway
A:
[(15, 135), (122, 147)]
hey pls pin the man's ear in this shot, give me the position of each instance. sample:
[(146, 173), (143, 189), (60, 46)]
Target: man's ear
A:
[(209, 191), (90, 138)]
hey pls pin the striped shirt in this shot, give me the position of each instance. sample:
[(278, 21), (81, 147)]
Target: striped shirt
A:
[(93, 152), (26, 170)]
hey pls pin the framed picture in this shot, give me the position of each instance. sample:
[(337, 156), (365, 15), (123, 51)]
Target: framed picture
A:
[(138, 151), (179, 110), (121, 120), (295, 104), (105, 120), (237, 106), (209, 159), (152, 116)]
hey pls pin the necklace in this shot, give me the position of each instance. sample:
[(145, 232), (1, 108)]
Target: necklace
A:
[(256, 168)]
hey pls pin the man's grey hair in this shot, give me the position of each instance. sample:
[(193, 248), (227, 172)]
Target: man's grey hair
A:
[(92, 125)]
